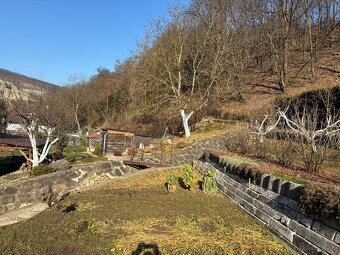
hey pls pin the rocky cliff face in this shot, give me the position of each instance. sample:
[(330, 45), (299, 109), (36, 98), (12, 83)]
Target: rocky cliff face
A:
[(9, 91), (15, 86)]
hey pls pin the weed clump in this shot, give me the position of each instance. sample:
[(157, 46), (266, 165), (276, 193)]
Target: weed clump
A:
[(188, 177), (209, 184), (49, 197), (171, 181)]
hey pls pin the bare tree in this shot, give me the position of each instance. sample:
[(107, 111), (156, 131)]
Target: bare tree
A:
[(75, 94), (187, 60), (264, 128), (33, 128), (315, 124)]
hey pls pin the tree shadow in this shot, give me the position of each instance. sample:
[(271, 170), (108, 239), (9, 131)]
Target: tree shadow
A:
[(70, 208), (146, 249)]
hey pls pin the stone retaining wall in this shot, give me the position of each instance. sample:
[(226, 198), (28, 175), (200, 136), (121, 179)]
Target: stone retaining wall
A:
[(26, 192), (273, 202), (195, 151)]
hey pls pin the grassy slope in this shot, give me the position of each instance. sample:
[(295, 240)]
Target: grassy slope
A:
[(127, 212), (262, 86)]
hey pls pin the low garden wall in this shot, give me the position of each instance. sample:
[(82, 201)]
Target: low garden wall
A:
[(274, 202), (194, 152), (26, 192)]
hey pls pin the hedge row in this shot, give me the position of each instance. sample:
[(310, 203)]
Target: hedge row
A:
[(321, 202), (243, 170)]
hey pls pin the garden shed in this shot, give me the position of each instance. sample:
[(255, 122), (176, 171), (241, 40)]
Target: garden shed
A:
[(116, 142)]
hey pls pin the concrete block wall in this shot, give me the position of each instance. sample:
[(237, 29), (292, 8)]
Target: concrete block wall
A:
[(26, 192), (273, 202)]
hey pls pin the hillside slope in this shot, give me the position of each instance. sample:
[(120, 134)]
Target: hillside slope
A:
[(14, 86), (262, 89)]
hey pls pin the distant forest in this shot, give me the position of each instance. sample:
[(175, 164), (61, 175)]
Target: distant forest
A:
[(198, 58)]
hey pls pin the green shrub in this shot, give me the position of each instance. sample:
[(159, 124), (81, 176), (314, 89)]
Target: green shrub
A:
[(41, 169), (82, 141), (93, 159), (171, 181), (98, 150), (73, 157), (320, 201), (188, 177), (74, 149), (209, 183)]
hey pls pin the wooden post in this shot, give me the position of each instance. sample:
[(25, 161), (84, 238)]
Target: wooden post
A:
[(161, 153)]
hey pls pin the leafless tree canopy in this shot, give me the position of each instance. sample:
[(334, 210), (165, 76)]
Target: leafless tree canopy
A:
[(202, 56)]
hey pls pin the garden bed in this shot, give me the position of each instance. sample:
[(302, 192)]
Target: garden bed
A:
[(293, 173), (134, 213)]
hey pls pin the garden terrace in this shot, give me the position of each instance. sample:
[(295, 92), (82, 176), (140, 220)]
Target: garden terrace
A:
[(135, 212)]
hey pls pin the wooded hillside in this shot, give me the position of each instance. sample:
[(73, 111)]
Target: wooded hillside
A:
[(212, 57)]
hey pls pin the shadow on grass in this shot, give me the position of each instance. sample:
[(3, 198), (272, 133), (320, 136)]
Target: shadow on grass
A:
[(70, 208), (146, 249), (181, 183)]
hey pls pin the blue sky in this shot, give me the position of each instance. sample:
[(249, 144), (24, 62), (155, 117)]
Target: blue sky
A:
[(54, 39)]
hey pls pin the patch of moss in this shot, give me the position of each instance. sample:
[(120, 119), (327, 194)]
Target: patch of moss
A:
[(41, 169), (238, 160), (290, 178), (74, 149)]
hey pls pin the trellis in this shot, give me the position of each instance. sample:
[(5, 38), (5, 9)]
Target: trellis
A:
[(93, 142)]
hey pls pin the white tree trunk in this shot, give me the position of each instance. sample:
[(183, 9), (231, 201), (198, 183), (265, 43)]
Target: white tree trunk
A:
[(185, 120), (37, 157)]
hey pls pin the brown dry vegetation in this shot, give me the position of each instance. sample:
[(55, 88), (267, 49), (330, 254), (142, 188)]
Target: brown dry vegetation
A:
[(262, 86), (330, 176), (124, 213)]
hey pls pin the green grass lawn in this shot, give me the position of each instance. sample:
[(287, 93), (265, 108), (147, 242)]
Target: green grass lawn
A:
[(135, 214)]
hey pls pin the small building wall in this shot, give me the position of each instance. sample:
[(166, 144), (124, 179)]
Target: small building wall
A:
[(117, 144)]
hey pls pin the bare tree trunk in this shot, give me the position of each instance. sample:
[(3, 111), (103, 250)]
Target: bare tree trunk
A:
[(284, 66), (185, 120), (285, 12), (310, 39), (31, 129), (76, 118)]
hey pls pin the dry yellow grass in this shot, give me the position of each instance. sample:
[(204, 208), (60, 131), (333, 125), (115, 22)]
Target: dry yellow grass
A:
[(136, 212)]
